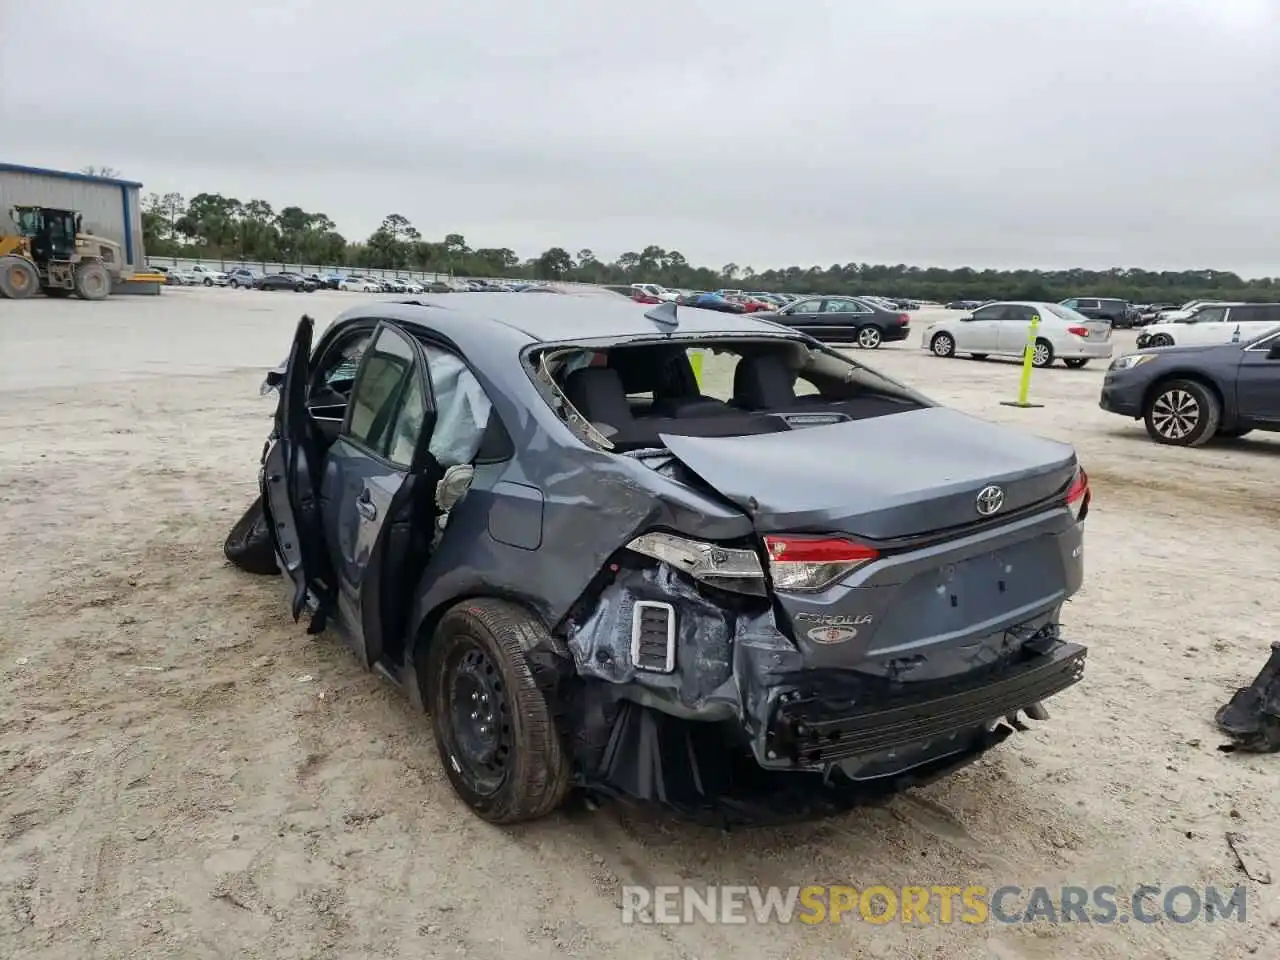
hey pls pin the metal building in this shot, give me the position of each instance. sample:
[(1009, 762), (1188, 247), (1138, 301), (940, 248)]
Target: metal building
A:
[(111, 208)]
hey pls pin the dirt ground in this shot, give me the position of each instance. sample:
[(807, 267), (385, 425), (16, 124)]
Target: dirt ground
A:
[(184, 773)]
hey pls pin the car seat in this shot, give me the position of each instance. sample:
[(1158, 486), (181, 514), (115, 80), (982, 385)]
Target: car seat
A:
[(763, 382), (677, 395), (597, 393)]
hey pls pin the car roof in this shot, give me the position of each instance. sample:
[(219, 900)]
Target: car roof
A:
[(567, 317), (1027, 303)]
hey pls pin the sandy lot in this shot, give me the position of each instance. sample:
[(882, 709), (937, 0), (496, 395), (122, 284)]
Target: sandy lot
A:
[(183, 773)]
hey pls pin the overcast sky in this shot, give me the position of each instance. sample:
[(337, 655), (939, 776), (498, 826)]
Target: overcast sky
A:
[(986, 132)]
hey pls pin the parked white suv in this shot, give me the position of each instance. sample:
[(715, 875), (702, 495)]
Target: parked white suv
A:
[(208, 276), (1212, 324)]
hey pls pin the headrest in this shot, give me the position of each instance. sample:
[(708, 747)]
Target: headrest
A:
[(763, 381), (598, 395)]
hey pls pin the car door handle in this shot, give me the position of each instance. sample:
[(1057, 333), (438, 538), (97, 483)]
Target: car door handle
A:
[(364, 505)]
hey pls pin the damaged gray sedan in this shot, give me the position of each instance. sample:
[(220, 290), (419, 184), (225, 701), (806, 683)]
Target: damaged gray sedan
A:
[(592, 571)]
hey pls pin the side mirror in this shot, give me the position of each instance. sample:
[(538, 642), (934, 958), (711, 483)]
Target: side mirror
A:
[(1274, 352)]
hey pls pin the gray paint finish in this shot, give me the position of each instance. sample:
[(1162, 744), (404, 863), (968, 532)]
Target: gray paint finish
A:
[(1244, 375), (880, 478), (539, 527), (515, 519)]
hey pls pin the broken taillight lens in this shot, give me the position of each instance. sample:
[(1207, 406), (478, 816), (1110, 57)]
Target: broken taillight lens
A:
[(813, 563), (1079, 495), (729, 568)]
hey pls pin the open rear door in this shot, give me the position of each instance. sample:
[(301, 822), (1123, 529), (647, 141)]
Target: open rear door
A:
[(290, 488)]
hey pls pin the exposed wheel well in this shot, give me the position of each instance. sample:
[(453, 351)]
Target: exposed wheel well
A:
[(1192, 376), (420, 640)]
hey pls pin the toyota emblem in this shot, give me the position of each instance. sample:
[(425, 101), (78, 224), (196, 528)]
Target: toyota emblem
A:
[(990, 499)]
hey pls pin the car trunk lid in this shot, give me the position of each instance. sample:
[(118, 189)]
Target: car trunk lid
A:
[(880, 557), (883, 478)]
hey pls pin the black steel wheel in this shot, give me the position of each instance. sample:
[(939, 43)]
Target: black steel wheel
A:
[(479, 717), (493, 725)]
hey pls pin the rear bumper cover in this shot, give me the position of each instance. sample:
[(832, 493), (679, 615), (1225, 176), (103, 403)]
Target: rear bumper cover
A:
[(744, 702), (810, 730)]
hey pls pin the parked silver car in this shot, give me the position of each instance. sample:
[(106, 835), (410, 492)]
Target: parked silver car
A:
[(1002, 329)]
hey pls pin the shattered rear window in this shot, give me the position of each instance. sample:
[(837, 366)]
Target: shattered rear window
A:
[(624, 396)]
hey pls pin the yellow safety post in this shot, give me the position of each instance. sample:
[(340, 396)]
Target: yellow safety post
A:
[(1028, 359), (695, 360)]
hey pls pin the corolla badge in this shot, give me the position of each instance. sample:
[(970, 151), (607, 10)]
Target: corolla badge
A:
[(832, 634), (833, 628), (990, 499)]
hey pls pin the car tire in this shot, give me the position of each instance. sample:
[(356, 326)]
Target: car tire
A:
[(1182, 413), (208, 282), (1077, 363), (249, 546), (505, 758), (1160, 340), (943, 345), (870, 338), (1042, 353), (235, 284)]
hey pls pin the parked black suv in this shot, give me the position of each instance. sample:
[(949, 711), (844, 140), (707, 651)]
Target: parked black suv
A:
[(1119, 312)]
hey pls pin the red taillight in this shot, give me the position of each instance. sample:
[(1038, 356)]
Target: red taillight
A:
[(1079, 331), (1079, 493), (812, 563), (904, 319)]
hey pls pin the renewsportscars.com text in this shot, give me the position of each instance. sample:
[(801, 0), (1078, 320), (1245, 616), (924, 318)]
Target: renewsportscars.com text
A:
[(1146, 903)]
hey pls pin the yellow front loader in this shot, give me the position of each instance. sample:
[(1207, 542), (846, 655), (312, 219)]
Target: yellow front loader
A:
[(50, 253)]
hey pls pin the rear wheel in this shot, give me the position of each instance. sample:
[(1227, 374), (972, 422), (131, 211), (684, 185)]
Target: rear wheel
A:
[(1042, 354), (493, 726), (1182, 413), (92, 281), (869, 338), (1077, 363), (18, 278), (943, 345)]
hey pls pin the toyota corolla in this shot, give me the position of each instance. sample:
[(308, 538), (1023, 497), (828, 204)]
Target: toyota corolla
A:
[(596, 569)]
